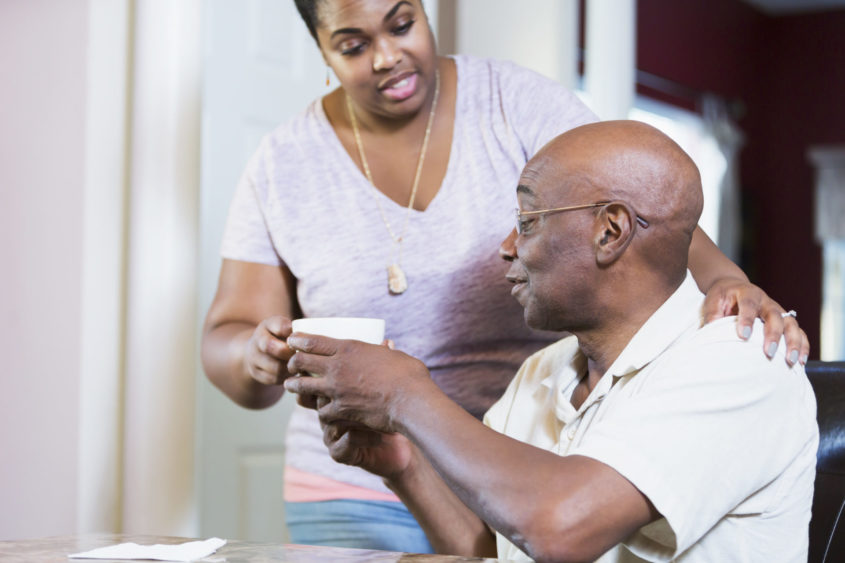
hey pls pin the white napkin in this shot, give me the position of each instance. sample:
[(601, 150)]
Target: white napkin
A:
[(188, 551)]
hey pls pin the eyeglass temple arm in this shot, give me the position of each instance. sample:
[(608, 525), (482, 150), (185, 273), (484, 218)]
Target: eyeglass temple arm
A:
[(643, 223)]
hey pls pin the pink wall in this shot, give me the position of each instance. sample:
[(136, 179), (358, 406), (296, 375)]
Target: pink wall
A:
[(788, 71), (42, 89)]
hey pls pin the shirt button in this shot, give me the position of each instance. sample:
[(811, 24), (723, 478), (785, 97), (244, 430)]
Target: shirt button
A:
[(571, 434)]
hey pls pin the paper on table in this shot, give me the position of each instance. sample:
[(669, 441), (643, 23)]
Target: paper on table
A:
[(188, 551)]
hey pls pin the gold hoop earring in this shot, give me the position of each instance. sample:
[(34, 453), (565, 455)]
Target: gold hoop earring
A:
[(327, 75)]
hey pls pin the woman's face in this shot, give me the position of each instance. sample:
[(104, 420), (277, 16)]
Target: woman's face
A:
[(382, 51)]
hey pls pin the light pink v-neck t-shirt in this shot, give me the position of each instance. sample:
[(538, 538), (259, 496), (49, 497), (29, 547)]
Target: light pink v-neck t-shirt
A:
[(303, 202)]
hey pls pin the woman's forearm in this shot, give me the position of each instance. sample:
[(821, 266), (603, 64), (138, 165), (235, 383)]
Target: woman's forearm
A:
[(708, 264), (223, 349), (234, 351)]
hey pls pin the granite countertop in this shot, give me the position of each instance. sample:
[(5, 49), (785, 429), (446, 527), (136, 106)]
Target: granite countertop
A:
[(55, 549)]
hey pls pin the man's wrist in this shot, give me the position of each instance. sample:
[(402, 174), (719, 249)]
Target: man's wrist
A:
[(407, 478), (412, 399)]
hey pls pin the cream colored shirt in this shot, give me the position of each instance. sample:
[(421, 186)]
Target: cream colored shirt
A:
[(720, 439)]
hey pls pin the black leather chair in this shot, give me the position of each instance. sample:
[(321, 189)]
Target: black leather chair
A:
[(827, 528)]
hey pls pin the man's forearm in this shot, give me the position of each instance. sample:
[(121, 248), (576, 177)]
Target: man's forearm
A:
[(551, 507), (470, 460), (451, 527), (544, 503)]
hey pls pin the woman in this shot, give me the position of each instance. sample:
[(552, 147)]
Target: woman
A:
[(375, 202)]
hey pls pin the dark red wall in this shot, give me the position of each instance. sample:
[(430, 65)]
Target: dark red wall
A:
[(789, 73)]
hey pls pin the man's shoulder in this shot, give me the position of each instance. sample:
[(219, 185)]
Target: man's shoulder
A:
[(717, 342), (717, 358)]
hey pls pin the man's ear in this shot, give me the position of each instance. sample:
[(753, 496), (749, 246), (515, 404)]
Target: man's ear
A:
[(614, 232)]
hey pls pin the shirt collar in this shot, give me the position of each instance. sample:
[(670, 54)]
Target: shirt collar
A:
[(570, 365), (678, 315)]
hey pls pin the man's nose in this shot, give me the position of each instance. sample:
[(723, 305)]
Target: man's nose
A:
[(385, 54), (507, 250)]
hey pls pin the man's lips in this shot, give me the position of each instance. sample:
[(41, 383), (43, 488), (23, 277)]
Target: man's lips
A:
[(518, 283)]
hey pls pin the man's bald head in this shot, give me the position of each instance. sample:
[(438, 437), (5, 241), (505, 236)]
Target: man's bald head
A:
[(607, 212), (635, 163)]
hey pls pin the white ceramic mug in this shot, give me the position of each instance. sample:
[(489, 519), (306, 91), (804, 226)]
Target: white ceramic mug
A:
[(345, 328)]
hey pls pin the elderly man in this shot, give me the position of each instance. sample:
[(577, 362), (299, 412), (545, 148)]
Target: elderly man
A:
[(643, 436)]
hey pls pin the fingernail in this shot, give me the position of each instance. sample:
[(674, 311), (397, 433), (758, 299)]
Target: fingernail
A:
[(793, 357), (294, 342), (804, 359), (746, 332), (770, 351)]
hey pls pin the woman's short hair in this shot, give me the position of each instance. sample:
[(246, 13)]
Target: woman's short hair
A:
[(308, 11)]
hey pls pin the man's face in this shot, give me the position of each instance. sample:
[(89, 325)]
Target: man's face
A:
[(551, 255)]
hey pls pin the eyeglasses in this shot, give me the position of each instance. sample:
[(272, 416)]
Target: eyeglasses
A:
[(525, 218)]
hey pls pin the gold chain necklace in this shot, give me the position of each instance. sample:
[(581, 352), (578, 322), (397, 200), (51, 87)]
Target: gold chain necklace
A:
[(396, 281)]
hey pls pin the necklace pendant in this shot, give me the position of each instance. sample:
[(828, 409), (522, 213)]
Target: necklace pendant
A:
[(396, 281)]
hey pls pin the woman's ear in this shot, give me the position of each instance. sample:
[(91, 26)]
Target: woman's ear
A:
[(614, 232)]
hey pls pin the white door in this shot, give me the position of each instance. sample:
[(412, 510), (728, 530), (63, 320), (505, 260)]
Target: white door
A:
[(260, 68)]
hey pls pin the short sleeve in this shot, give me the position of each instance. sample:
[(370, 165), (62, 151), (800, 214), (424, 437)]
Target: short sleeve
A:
[(698, 440), (539, 108), (246, 236)]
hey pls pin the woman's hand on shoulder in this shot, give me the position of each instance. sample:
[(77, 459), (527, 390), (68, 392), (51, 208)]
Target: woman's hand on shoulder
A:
[(267, 353), (733, 296)]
